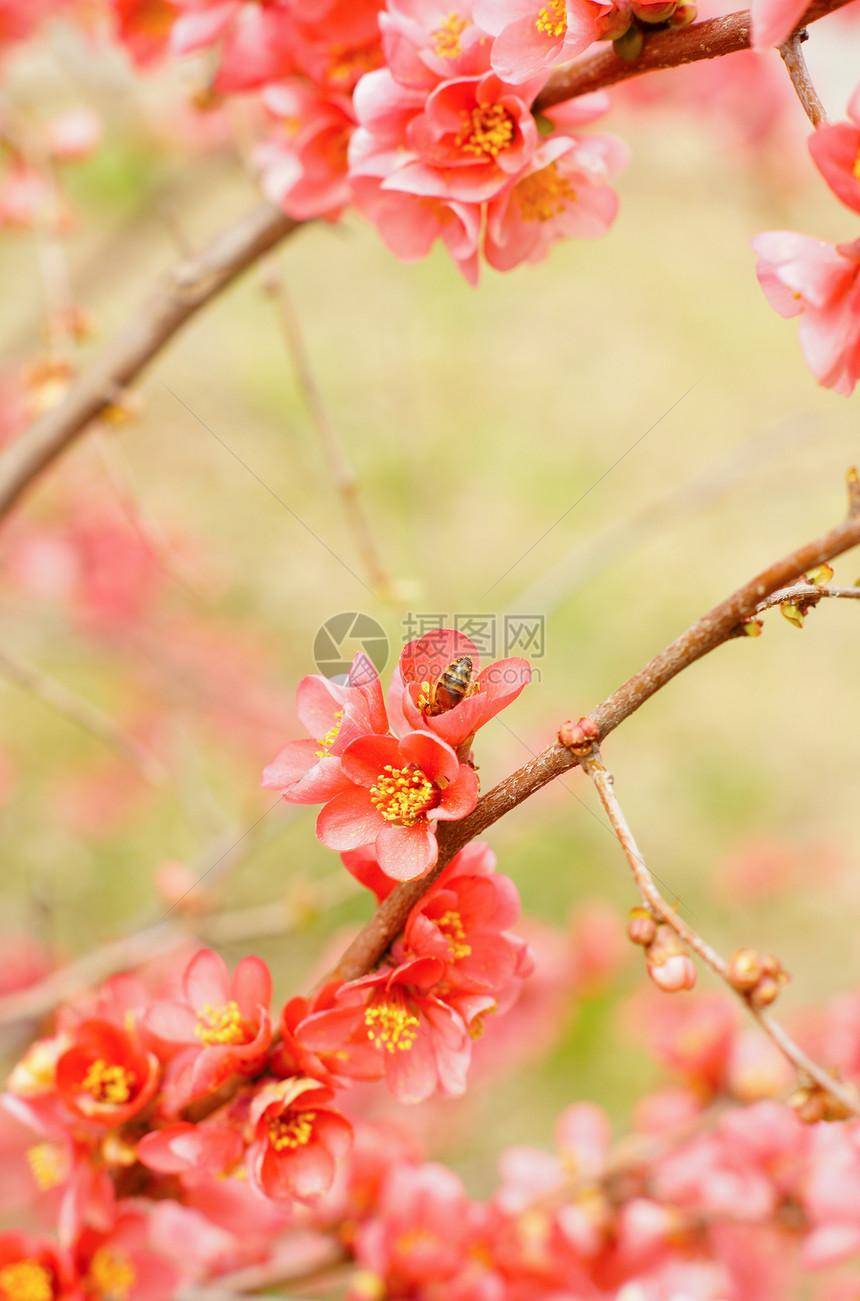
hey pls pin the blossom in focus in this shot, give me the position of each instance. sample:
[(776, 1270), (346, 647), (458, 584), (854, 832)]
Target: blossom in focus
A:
[(298, 1140), (304, 164), (220, 1024), (428, 41), (808, 277), (422, 1044), (534, 35), (398, 790), (309, 772), (421, 665)]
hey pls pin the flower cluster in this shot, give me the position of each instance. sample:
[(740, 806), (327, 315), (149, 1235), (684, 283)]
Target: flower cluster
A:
[(816, 280)]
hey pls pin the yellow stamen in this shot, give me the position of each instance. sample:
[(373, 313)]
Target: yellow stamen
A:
[(403, 795), (544, 194), (113, 1085), (446, 38), (220, 1025), (390, 1023), (155, 17), (856, 167), (26, 1280), (330, 737), (111, 1274), (348, 64), (292, 1133), (487, 129), (49, 1163), (451, 926), (552, 19)]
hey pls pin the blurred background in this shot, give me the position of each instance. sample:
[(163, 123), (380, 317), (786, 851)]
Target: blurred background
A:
[(609, 442)]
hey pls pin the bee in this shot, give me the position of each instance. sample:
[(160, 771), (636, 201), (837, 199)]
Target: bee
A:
[(454, 685)]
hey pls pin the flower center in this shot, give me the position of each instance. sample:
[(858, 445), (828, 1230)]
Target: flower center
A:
[(220, 1025), (856, 168), (112, 1085), (451, 926), (487, 129), (111, 1275), (403, 795), (446, 38), (49, 1163), (552, 19), (155, 17), (26, 1280), (543, 195), (292, 1133), (391, 1025), (330, 737), (348, 63)]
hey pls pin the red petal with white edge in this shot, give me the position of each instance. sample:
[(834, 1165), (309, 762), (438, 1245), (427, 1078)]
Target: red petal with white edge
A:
[(302, 777), (460, 797), (252, 987), (433, 756), (426, 658), (405, 853), (207, 980), (365, 758), (349, 820)]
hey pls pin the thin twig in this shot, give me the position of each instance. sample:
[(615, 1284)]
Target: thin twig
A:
[(806, 592), (342, 473), (719, 625), (189, 287), (792, 56), (86, 715), (593, 765)]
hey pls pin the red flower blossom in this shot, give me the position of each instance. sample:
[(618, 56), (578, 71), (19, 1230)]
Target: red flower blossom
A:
[(421, 1043), (291, 1056), (309, 772), (212, 1147), (304, 163), (224, 1022), (835, 151), (399, 789), (119, 1265), (144, 26), (298, 1141), (428, 41), (422, 663), (32, 1269), (104, 1077), (534, 35)]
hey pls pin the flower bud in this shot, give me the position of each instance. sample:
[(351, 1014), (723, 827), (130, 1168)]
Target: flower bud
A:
[(792, 612), (745, 970), (684, 15), (642, 927), (629, 46), (820, 574), (653, 13), (608, 27), (676, 973), (753, 627), (579, 737)]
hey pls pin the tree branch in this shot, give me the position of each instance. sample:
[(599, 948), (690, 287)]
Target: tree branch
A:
[(593, 765), (189, 287), (791, 54), (713, 629), (669, 49)]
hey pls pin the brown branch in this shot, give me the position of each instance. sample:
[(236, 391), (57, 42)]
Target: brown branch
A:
[(791, 54), (603, 781), (806, 592), (188, 288), (713, 629), (668, 49)]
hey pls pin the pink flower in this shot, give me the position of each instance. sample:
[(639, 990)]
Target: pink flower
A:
[(399, 790), (298, 1142), (144, 26), (534, 35), (836, 153), (336, 42), (33, 1267), (291, 1056), (224, 1022), (105, 1077), (176, 1149), (120, 1262), (304, 165), (428, 41), (414, 693), (801, 274), (562, 194), (254, 39), (410, 224), (309, 772), (422, 1044), (473, 134)]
